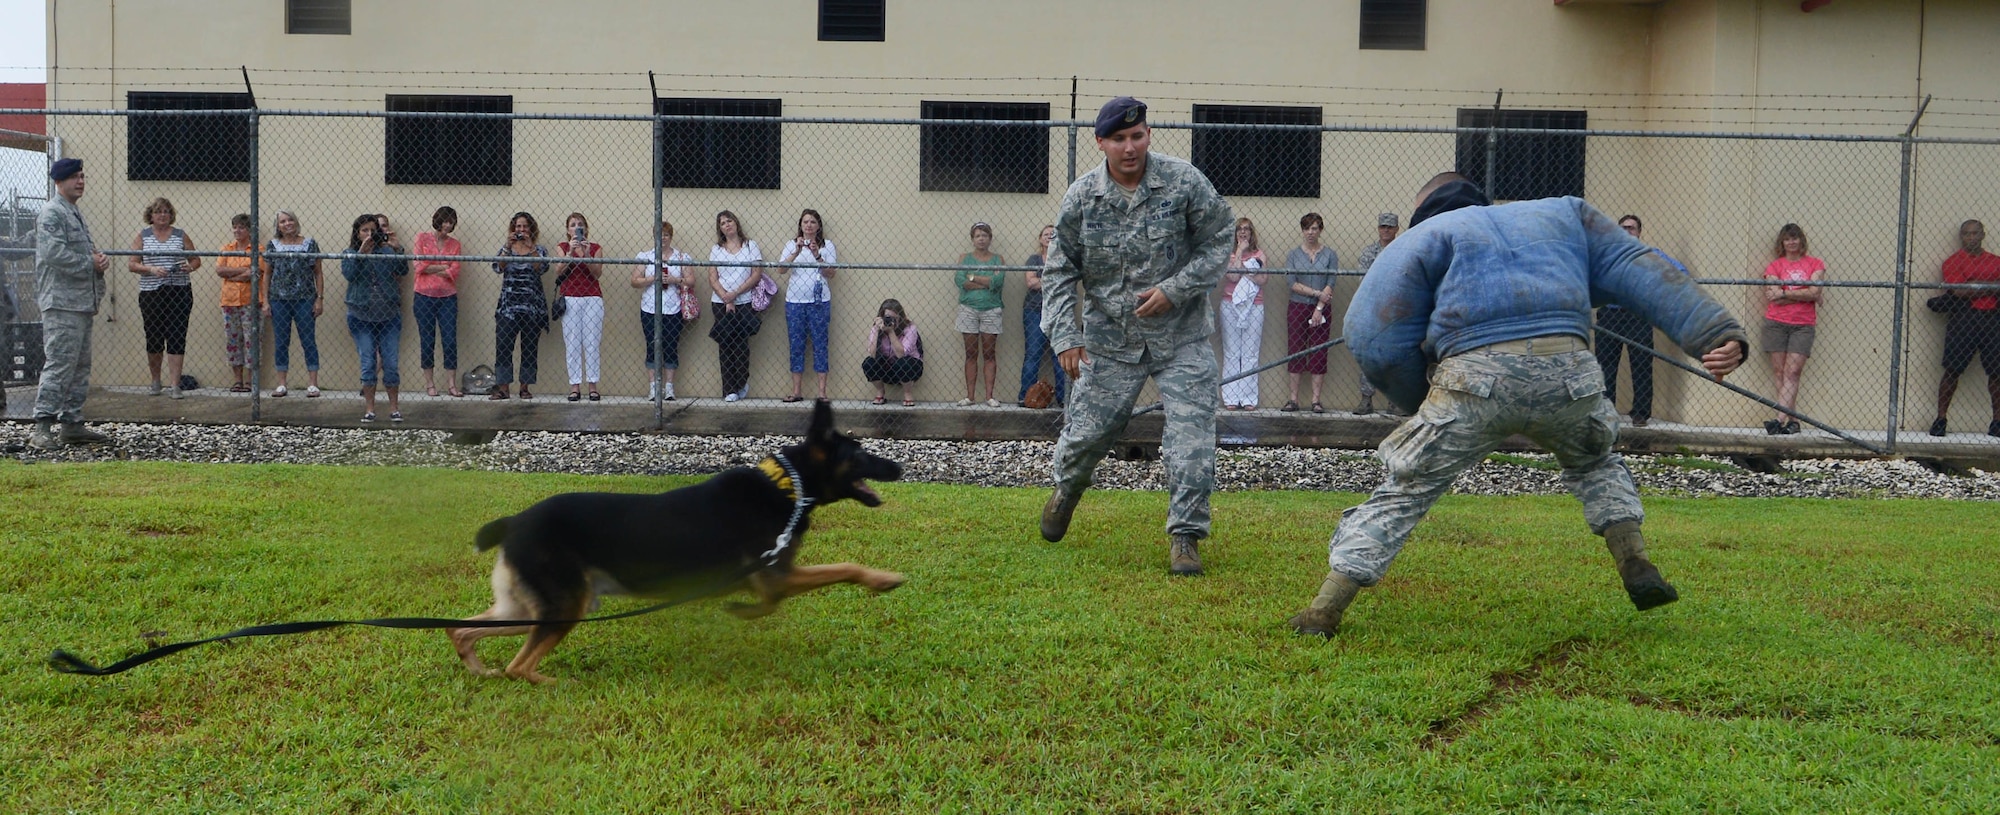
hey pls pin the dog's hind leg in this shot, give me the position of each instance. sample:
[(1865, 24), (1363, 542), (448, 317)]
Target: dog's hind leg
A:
[(508, 604), (543, 637), (801, 579)]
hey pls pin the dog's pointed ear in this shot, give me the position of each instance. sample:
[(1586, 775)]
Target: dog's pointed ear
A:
[(822, 421)]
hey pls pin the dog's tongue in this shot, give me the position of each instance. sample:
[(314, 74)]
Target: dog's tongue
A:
[(863, 488)]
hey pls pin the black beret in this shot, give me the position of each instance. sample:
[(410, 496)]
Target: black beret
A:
[(64, 168), (1119, 114)]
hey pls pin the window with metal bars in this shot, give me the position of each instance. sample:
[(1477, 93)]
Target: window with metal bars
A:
[(1281, 163), (445, 149), (319, 17), (189, 147), (1392, 25), (1527, 165), (720, 155), (852, 20), (977, 157)]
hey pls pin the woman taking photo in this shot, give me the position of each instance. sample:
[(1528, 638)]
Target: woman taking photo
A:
[(895, 352), (1790, 316), (808, 302), (729, 289), (1243, 319), (522, 313), (435, 304), (663, 310), (375, 310), (978, 321), (294, 293), (583, 306), (166, 295)]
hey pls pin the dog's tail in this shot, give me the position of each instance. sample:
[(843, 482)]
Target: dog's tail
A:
[(491, 535)]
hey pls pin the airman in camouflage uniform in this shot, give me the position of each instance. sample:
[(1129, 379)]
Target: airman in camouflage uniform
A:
[(69, 285), (1499, 297), (1140, 243)]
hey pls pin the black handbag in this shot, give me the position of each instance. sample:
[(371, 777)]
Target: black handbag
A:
[(1947, 303), (559, 305)]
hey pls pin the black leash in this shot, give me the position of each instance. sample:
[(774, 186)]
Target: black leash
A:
[(69, 663)]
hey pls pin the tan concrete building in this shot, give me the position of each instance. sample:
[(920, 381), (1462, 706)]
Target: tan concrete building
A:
[(894, 194)]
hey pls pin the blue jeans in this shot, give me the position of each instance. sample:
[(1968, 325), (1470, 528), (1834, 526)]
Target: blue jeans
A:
[(437, 316), (284, 315), (808, 321), (1036, 350), (378, 337)]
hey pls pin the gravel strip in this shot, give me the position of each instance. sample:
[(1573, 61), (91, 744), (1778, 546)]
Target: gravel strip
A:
[(1005, 464)]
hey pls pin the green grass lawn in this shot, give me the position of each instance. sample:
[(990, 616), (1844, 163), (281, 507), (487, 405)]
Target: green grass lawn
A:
[(1825, 656)]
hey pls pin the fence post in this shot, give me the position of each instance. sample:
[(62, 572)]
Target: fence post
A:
[(1898, 325), (1072, 130), (659, 259), (256, 338), (1493, 145)]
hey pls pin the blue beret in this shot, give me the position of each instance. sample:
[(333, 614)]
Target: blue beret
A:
[(64, 168), (1119, 114)]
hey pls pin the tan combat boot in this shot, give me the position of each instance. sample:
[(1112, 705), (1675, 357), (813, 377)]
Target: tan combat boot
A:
[(1643, 582), (1183, 556), (1322, 618)]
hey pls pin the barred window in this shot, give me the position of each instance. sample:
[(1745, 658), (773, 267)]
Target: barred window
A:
[(720, 155), (1392, 25), (448, 150), (851, 20), (319, 17), (1282, 163), (187, 148), (984, 157), (1530, 165)]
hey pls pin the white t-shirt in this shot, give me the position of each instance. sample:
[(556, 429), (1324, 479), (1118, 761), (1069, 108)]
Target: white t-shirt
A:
[(672, 301), (807, 284), (730, 277)]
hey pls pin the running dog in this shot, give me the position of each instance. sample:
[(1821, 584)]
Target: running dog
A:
[(737, 531)]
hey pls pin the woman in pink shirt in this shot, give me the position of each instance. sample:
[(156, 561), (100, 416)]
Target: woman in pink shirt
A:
[(436, 303), (1790, 315), (895, 352)]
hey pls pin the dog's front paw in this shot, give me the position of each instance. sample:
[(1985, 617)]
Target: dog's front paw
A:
[(749, 611), (885, 581)]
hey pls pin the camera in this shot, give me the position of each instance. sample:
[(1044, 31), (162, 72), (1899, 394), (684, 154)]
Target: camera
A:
[(520, 236), (576, 234)]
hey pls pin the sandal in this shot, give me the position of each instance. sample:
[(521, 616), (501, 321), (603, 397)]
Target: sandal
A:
[(430, 390), (576, 396), (1291, 406), (789, 399), (525, 394), (880, 400), (499, 394), (456, 393), (1317, 408), (913, 403), (594, 396)]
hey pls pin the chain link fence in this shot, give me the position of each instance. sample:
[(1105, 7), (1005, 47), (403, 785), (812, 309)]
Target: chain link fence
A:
[(899, 204)]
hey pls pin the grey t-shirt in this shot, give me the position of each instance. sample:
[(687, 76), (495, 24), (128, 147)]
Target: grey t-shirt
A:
[(1298, 259)]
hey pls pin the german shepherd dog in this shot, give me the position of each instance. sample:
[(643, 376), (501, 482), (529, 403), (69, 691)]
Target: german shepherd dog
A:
[(558, 556)]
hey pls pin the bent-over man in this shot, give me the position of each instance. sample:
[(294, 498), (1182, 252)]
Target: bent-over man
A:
[(1500, 297)]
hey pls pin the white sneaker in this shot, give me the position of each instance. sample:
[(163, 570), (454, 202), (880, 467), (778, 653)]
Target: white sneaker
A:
[(153, 389), (731, 397), (990, 402), (177, 393), (669, 387), (964, 403), (653, 391)]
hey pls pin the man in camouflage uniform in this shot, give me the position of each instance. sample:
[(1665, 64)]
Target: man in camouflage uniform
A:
[(1500, 298), (1385, 231), (1145, 238), (69, 285)]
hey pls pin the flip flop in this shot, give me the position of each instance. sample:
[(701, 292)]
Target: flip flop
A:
[(792, 399), (456, 393), (431, 390), (882, 400), (913, 403)]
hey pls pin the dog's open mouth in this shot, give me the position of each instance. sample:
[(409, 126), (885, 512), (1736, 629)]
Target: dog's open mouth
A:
[(864, 493)]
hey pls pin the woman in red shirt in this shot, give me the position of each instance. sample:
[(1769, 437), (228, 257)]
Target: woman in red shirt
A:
[(1790, 316), (435, 304), (583, 306)]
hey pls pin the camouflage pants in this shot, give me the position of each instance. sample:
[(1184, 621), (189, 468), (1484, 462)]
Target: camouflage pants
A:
[(1100, 403), (66, 369), (1476, 401)]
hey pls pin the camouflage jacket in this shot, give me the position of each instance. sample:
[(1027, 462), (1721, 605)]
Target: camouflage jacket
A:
[(1175, 236), (66, 277)]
